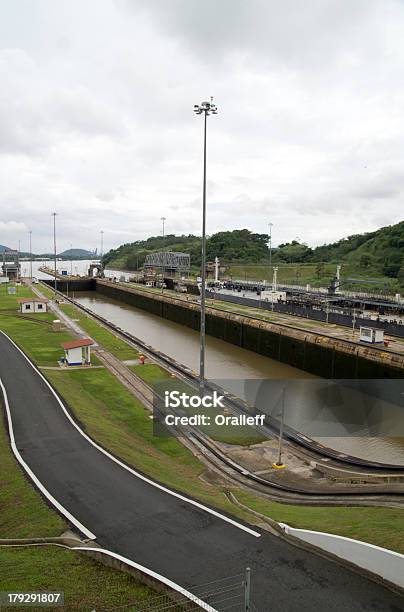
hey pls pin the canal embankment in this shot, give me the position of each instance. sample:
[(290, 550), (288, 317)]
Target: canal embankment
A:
[(316, 353)]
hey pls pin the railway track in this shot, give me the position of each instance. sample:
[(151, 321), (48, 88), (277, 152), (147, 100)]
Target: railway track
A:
[(212, 454), (236, 472)]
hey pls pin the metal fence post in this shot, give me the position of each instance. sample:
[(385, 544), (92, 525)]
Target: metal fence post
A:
[(247, 591)]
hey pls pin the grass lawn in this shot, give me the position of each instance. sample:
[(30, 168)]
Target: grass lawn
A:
[(311, 273), (151, 373), (35, 335), (87, 584), (103, 336), (380, 526)]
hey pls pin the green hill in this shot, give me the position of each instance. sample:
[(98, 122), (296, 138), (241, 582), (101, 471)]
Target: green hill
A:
[(240, 245), (377, 254), (381, 251)]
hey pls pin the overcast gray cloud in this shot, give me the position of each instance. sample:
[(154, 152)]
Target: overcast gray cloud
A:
[(96, 117)]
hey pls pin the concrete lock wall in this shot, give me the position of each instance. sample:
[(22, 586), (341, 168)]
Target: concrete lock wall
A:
[(87, 284), (380, 561), (321, 355)]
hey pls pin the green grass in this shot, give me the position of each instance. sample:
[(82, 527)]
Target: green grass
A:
[(103, 336), (301, 274), (151, 373), (380, 526), (35, 336), (87, 585)]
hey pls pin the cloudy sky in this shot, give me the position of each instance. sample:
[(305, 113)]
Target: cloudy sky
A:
[(96, 120)]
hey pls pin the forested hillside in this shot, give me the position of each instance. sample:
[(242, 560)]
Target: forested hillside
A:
[(374, 253)]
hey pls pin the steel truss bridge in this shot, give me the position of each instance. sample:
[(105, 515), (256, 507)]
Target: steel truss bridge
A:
[(168, 260)]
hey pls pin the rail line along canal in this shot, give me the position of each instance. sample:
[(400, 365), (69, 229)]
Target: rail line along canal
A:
[(158, 319)]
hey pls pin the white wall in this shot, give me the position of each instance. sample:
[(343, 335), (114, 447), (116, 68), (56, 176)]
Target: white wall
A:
[(33, 307), (75, 355), (386, 563)]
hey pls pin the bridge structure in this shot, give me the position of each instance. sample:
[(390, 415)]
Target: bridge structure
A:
[(169, 262)]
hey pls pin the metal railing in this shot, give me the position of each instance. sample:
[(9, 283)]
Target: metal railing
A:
[(229, 594)]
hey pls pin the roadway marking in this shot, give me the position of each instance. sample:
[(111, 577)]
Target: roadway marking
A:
[(31, 474), (169, 583), (120, 463)]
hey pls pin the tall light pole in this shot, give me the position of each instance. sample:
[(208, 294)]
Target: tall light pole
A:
[(54, 249), (102, 243), (30, 254), (101, 271), (163, 220), (270, 243), (205, 108)]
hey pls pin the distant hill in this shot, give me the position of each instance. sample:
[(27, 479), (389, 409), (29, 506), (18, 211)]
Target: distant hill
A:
[(77, 254), (3, 248)]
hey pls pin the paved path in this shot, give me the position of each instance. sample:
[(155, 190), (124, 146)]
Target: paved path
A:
[(163, 532)]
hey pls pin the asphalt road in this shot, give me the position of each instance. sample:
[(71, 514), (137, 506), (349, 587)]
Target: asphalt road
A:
[(168, 535)]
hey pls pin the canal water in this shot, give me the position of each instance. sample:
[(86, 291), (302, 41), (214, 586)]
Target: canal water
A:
[(77, 267), (233, 364)]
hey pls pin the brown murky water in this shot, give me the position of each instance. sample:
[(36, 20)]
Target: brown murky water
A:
[(231, 363)]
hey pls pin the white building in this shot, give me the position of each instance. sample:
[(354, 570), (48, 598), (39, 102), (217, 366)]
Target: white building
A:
[(371, 335), (273, 296), (32, 305), (77, 352)]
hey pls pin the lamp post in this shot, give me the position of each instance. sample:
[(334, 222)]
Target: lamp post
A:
[(163, 220), (30, 254), (270, 243), (54, 249), (205, 108)]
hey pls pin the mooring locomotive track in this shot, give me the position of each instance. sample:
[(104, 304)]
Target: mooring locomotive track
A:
[(213, 455)]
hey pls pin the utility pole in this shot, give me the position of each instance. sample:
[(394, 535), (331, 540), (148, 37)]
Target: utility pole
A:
[(102, 244), (54, 250), (279, 464), (163, 220), (216, 269), (18, 261), (30, 254), (205, 108), (270, 225), (353, 322)]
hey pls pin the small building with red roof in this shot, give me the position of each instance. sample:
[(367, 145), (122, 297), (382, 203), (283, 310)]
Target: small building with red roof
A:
[(77, 352)]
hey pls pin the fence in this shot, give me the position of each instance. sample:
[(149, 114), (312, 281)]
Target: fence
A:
[(307, 312), (230, 594)]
